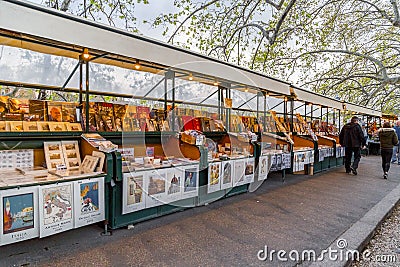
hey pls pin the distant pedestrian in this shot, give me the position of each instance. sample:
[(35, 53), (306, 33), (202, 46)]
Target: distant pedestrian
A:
[(388, 139), (396, 149), (352, 138)]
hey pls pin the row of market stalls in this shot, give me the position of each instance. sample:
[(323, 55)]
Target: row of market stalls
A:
[(99, 125)]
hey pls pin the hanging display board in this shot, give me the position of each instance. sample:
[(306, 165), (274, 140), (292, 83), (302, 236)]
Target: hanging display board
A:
[(227, 174), (238, 173), (89, 201), (263, 167), (155, 184), (214, 177), (174, 179), (19, 214), (191, 182), (133, 193), (56, 208), (249, 171)]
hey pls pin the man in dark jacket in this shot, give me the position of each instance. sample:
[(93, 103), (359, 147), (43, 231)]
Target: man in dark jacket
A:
[(352, 138), (388, 139)]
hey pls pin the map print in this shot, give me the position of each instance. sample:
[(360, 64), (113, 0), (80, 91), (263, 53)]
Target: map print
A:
[(57, 203)]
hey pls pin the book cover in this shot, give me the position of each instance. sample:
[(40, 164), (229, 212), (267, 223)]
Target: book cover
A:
[(105, 117), (68, 111), (37, 110), (4, 104), (17, 105), (130, 122), (143, 116), (187, 122), (54, 111), (93, 110), (119, 116)]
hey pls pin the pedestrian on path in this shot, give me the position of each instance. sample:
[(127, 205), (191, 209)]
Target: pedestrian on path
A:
[(396, 149), (352, 138), (388, 139)]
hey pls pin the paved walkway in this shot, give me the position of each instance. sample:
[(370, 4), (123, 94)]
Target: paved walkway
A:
[(304, 213)]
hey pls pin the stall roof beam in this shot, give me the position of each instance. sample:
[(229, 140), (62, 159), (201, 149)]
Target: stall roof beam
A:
[(66, 29)]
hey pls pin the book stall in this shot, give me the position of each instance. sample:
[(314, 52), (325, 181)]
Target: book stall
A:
[(116, 135)]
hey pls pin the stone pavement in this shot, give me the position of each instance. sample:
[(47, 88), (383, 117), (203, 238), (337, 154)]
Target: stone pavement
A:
[(304, 213)]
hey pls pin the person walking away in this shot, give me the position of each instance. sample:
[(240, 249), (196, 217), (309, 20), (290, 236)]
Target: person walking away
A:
[(396, 149), (352, 138), (388, 139)]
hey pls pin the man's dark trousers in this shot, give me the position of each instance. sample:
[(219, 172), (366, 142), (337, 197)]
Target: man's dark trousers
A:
[(348, 155)]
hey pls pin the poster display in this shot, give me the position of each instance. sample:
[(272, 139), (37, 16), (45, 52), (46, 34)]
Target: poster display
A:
[(19, 214), (238, 173), (227, 170), (174, 177), (249, 171), (89, 201), (56, 208), (155, 184), (263, 168), (191, 182), (214, 177), (133, 195)]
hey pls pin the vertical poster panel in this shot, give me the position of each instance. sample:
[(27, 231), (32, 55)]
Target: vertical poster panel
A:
[(249, 171), (19, 214), (155, 188), (133, 193), (227, 173), (214, 177), (56, 208), (191, 182), (263, 168), (174, 176), (89, 201), (238, 173)]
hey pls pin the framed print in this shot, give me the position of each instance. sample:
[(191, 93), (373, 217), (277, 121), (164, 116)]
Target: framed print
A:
[(16, 126), (214, 177), (54, 155), (101, 157), (30, 126), (71, 154), (3, 126), (56, 126), (227, 173), (19, 214), (191, 181), (133, 194), (155, 188), (89, 163), (238, 173), (263, 168), (43, 126), (74, 127), (174, 179), (56, 208), (249, 171), (89, 201)]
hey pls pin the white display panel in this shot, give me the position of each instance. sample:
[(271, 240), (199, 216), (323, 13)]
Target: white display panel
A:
[(156, 188), (263, 167), (89, 202), (227, 174), (238, 173), (214, 177), (19, 214), (56, 208), (191, 181), (133, 193), (174, 183), (249, 171)]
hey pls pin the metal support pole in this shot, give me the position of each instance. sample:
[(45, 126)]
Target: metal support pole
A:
[(291, 114), (265, 113), (81, 90), (87, 97), (173, 105)]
